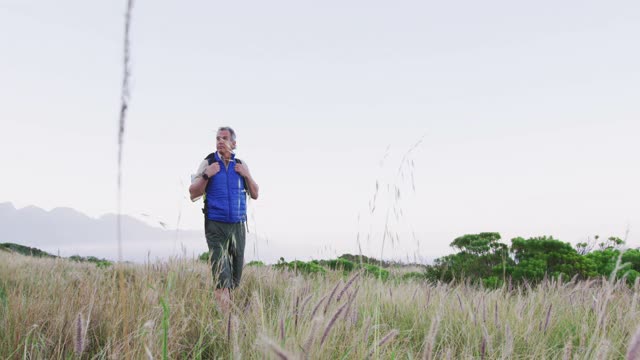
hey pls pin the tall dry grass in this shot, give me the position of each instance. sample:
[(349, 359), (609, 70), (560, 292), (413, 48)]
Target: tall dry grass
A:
[(55, 309)]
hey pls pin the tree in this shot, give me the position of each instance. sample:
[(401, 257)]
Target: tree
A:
[(540, 255), (606, 258), (479, 256), (478, 244)]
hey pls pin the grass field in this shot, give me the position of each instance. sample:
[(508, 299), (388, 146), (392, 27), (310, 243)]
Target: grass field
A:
[(57, 309)]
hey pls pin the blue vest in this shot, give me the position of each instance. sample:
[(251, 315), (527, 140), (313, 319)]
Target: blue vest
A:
[(225, 195)]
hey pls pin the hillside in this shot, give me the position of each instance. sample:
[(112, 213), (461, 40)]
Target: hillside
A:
[(24, 250), (35, 252)]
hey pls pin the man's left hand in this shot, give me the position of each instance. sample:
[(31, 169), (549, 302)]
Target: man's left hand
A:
[(242, 169)]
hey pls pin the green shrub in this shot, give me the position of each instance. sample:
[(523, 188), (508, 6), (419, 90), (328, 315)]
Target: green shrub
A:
[(255, 263), (305, 267), (301, 267), (373, 270), (341, 264), (103, 264), (100, 263), (492, 282), (414, 275)]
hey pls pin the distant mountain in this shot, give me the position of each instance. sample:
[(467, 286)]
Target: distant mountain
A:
[(65, 231)]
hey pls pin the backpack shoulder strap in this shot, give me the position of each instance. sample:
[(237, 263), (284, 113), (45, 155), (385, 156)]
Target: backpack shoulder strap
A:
[(211, 158), (246, 185)]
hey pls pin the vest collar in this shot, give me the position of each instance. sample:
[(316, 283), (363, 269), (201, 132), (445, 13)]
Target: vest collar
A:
[(218, 158)]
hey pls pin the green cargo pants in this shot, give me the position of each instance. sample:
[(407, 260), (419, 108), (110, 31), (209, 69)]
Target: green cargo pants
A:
[(226, 251)]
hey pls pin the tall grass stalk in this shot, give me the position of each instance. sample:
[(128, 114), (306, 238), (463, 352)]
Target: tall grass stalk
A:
[(165, 329), (430, 340), (124, 105), (385, 339), (331, 323), (633, 351)]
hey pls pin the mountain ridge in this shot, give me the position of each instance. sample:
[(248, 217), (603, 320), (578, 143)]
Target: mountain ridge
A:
[(69, 232)]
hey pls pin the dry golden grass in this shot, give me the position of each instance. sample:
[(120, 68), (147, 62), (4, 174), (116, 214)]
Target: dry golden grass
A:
[(56, 309)]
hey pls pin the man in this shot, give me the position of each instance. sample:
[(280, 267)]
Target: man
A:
[(224, 182)]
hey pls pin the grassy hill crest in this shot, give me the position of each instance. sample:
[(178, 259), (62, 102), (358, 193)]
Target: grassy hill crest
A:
[(24, 250)]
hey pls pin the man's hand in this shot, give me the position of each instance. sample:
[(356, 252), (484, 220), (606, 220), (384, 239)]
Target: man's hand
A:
[(212, 169), (243, 170)]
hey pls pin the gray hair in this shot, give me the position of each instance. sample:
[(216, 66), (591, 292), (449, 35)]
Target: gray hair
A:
[(230, 130)]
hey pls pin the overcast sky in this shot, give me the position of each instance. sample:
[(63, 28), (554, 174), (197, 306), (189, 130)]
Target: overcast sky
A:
[(528, 115)]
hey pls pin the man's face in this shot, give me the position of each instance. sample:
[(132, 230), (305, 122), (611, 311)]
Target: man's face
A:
[(224, 144)]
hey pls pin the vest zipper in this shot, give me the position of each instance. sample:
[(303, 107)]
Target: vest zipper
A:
[(226, 169)]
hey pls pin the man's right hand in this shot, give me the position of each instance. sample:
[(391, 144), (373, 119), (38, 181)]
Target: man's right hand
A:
[(212, 169)]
